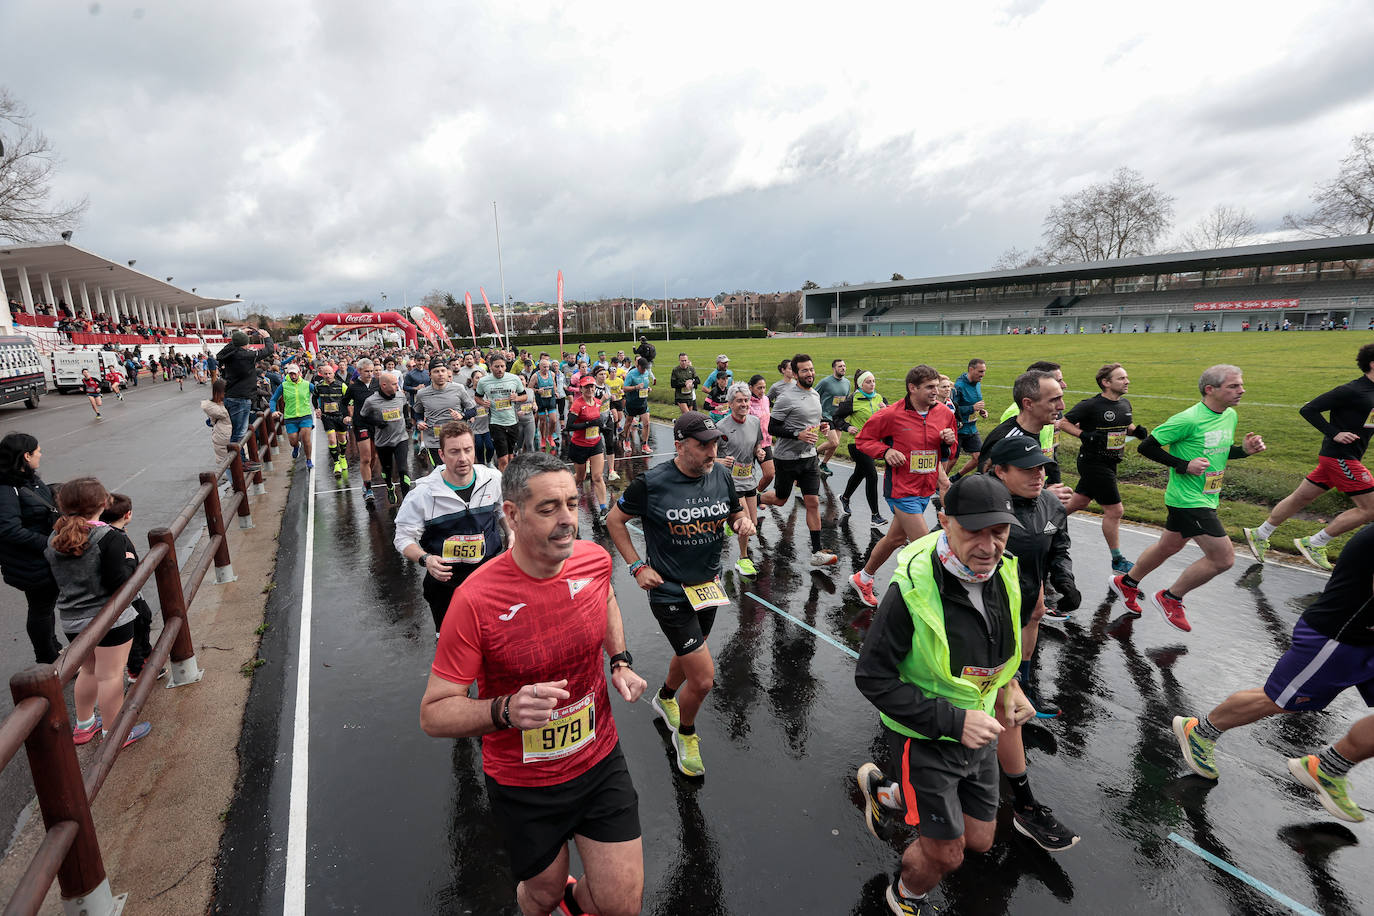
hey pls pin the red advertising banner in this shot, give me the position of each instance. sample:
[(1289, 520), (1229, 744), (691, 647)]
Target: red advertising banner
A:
[(560, 314), (1245, 306), (496, 327), (467, 300), (429, 325)]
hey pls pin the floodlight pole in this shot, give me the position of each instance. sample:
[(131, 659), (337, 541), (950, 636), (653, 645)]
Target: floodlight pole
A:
[(505, 304), (667, 314)]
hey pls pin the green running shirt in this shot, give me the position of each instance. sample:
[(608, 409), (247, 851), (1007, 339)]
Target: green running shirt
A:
[(1198, 432)]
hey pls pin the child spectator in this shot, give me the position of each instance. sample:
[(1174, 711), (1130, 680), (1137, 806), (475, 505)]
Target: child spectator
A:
[(120, 511), (90, 561), (217, 418)]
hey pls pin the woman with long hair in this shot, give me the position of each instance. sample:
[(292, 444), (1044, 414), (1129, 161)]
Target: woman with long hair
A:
[(484, 448), (759, 406), (90, 561), (850, 416), (217, 418), (28, 510)]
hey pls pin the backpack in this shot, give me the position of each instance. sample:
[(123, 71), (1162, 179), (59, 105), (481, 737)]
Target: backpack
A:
[(649, 350)]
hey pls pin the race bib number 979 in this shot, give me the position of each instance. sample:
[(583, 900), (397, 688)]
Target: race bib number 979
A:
[(570, 730)]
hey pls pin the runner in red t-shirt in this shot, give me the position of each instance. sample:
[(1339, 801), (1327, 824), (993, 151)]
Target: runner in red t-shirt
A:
[(529, 627), (586, 445), (91, 386), (113, 376)]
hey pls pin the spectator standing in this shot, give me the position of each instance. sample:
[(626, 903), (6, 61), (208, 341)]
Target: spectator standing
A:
[(27, 513)]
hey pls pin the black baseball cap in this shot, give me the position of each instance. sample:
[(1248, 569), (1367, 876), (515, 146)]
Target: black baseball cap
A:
[(697, 425), (1019, 452), (979, 501)]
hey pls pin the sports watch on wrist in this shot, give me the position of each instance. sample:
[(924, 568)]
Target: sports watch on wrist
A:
[(622, 657)]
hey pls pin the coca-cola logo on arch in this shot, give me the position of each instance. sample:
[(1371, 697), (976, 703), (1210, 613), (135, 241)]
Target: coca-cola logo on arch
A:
[(359, 319)]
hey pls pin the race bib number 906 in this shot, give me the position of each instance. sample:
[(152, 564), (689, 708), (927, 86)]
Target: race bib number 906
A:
[(924, 461), (570, 730)]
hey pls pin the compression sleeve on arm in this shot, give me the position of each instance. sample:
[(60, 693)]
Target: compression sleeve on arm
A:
[(1151, 449), (1237, 451)]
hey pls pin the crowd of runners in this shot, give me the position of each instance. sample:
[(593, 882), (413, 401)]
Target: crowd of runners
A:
[(486, 457)]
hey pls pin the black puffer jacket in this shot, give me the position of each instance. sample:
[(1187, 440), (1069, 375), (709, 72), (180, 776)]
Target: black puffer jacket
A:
[(238, 365), (28, 511)]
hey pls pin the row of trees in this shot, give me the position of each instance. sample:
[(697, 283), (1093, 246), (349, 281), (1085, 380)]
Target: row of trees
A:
[(1127, 216)]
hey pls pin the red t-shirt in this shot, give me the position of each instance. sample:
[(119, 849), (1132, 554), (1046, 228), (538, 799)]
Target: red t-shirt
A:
[(505, 629), (585, 410), (91, 386), (918, 437)]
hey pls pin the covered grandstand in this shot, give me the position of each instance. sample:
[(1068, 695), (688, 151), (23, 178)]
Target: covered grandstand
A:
[(1308, 284)]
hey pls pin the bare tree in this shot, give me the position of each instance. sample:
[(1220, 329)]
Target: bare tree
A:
[(1016, 258), (358, 305), (1119, 218), (1344, 205), (27, 165), (1223, 227), (811, 284)]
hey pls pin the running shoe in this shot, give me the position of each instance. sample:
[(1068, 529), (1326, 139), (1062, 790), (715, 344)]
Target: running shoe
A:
[(1121, 565), (871, 779), (391, 493), (1172, 609), (1258, 545), (824, 558), (865, 590), (568, 905), (1332, 790), (1314, 555), (309, 465), (84, 735), (1044, 709), (825, 470), (1055, 616), (667, 711), (646, 450), (879, 521), (1198, 752), (844, 507), (688, 751), (1129, 594), (1040, 824), (99, 417), (138, 731), (368, 499), (612, 477), (338, 474), (295, 452), (907, 906), (745, 567)]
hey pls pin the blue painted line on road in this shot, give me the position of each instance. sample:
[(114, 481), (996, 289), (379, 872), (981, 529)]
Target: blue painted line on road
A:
[(804, 625), (1237, 873)]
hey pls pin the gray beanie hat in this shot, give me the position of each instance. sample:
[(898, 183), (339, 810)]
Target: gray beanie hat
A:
[(239, 338)]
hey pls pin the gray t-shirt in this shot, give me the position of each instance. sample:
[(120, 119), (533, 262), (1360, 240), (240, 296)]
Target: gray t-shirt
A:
[(500, 394), (433, 406), (388, 417), (797, 408), (741, 442)]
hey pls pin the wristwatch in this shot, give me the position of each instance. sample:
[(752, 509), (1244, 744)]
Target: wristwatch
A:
[(622, 657), (423, 558)]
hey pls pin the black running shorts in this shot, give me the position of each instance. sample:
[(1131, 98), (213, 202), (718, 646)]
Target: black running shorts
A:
[(333, 423), (581, 454), (1097, 481), (536, 821), (804, 472), (506, 439), (942, 781), (686, 628), (970, 443), (1192, 522)]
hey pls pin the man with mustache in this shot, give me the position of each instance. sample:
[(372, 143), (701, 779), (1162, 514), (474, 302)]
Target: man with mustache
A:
[(530, 628)]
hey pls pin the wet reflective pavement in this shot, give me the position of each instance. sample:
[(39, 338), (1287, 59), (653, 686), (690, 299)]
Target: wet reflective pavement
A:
[(399, 823)]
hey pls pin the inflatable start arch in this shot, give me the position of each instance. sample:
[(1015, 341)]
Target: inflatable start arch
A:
[(311, 332)]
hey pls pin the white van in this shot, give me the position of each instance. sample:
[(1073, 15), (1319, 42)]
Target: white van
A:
[(67, 366), (21, 372)]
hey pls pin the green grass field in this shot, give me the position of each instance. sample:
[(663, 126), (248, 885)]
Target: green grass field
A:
[(1282, 372)]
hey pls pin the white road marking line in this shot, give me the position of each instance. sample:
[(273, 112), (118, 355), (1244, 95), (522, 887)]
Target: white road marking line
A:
[(294, 902)]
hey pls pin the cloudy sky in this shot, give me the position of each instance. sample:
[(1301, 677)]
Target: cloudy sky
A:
[(309, 153)]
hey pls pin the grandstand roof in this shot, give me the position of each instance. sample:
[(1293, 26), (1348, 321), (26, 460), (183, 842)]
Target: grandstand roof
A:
[(1352, 247), (76, 264)]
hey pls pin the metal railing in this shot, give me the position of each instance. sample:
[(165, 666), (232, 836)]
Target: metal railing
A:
[(70, 850)]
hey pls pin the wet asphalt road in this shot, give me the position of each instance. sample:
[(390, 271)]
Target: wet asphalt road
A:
[(151, 446), (398, 822)]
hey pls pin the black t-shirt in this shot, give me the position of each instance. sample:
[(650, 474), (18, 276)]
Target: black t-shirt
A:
[(1345, 609), (684, 524), (1104, 423), (1009, 428), (1352, 411)]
